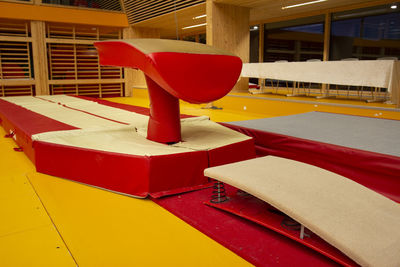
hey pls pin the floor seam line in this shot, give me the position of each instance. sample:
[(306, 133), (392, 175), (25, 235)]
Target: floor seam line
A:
[(55, 226)]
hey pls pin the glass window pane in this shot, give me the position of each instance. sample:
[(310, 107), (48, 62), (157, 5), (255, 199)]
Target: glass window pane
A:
[(382, 27), (348, 28), (297, 40), (190, 38), (202, 38), (254, 44), (368, 33)]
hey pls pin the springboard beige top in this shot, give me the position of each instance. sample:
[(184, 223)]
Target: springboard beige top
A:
[(148, 46), (361, 223)]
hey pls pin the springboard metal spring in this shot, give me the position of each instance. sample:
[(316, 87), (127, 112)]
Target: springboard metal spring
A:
[(218, 193)]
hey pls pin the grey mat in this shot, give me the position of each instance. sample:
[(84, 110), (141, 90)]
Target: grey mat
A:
[(371, 134)]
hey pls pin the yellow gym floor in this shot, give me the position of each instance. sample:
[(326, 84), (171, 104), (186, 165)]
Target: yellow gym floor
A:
[(47, 221)]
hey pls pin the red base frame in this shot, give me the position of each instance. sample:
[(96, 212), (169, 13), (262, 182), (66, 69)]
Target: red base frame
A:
[(258, 211), (255, 243)]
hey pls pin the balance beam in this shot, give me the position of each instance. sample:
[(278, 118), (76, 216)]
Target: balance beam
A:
[(361, 223)]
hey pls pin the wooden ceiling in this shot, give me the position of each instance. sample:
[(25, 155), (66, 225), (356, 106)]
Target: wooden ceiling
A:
[(172, 22), (271, 10), (260, 11), (140, 10)]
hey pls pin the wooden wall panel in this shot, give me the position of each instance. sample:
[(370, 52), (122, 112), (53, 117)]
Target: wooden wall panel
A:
[(40, 57), (73, 61), (228, 29), (47, 13), (16, 77), (15, 60), (327, 35)]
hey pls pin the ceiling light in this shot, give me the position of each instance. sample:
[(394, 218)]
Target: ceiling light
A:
[(303, 4), (194, 26), (199, 17), (253, 28), (394, 6)]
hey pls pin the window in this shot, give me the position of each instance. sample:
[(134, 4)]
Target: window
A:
[(295, 40), (254, 44), (368, 33), (198, 38), (202, 38)]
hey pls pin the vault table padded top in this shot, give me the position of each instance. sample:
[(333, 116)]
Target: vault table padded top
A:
[(361, 223), (148, 46)]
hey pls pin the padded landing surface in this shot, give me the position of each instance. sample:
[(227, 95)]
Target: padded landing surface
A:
[(376, 135), (359, 222)]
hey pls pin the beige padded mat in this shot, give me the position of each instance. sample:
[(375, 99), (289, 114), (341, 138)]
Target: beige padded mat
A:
[(198, 134), (52, 107), (360, 222), (122, 139)]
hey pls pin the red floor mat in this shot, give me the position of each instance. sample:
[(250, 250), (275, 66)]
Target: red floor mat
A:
[(256, 244)]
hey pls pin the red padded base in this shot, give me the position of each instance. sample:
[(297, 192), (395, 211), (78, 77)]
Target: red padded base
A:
[(130, 174), (134, 175)]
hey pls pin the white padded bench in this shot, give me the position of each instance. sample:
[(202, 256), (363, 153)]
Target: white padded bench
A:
[(361, 223)]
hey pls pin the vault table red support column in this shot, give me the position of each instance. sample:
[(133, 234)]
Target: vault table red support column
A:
[(193, 72)]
